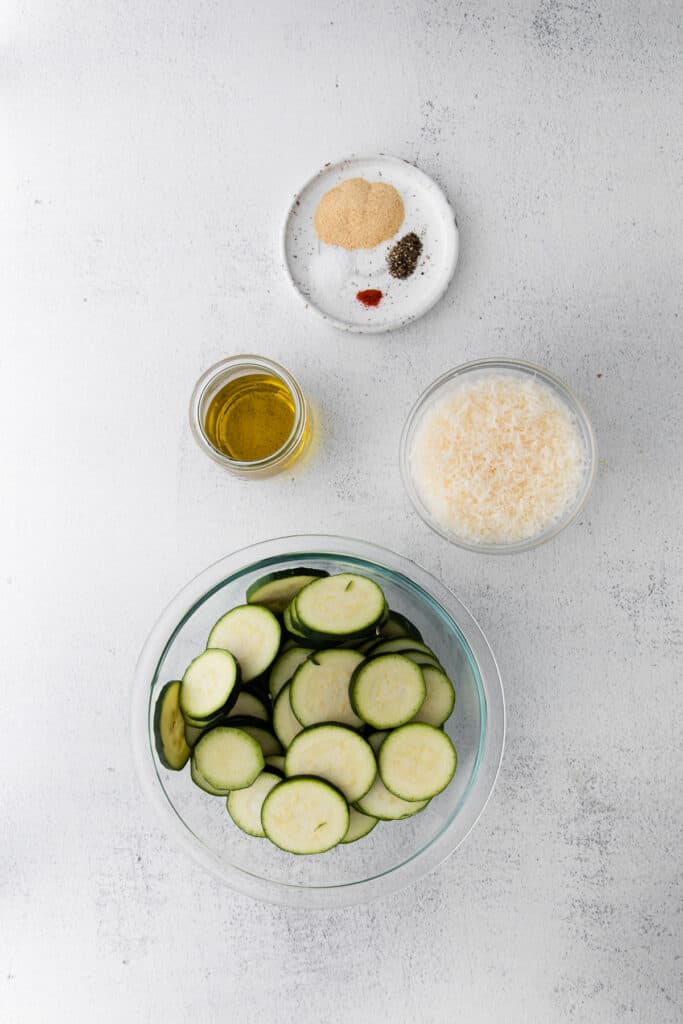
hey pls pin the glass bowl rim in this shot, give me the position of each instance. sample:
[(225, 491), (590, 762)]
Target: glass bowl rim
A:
[(438, 848), (248, 360), (570, 399)]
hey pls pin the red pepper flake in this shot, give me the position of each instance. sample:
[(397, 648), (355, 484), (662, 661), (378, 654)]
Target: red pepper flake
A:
[(370, 297)]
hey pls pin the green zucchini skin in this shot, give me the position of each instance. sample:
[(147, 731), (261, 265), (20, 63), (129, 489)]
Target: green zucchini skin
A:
[(169, 728), (398, 625), (232, 679), (244, 805), (228, 758), (201, 782), (376, 676), (261, 731), (401, 762), (251, 705), (339, 784), (360, 607), (360, 825), (275, 590), (237, 632), (300, 830)]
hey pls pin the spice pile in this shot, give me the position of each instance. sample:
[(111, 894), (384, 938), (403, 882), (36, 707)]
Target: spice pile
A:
[(360, 214), (403, 257)]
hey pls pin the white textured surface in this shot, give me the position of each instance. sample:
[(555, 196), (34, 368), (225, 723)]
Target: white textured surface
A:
[(150, 153)]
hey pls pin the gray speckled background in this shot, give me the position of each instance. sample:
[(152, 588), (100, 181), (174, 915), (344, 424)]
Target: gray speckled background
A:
[(151, 151)]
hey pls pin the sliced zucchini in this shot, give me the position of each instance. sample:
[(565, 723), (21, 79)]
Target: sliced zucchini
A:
[(263, 735), (305, 816), (440, 700), (336, 754), (244, 805), (252, 634), (417, 761), (228, 758), (387, 691), (376, 739), (276, 763), (249, 705), (359, 825), (422, 659), (292, 627), (209, 687), (339, 606), (398, 625), (200, 781), (193, 732), (285, 723), (259, 687), (380, 803), (277, 589), (169, 728), (319, 690), (284, 667), (367, 645), (398, 645)]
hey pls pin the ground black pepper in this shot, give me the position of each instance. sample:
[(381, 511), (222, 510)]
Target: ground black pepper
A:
[(402, 258)]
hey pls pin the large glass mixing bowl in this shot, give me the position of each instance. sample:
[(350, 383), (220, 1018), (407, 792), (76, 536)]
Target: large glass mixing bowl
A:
[(394, 854)]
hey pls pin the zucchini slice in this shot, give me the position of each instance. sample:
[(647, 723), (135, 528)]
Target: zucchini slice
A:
[(285, 723), (193, 732), (263, 734), (252, 634), (291, 626), (284, 667), (169, 729), (336, 754), (277, 589), (376, 739), (319, 690), (417, 761), (359, 825), (276, 763), (380, 803), (249, 705), (305, 816), (200, 781), (339, 606), (399, 645), (422, 659), (228, 758), (366, 645), (440, 700), (244, 805), (209, 686), (398, 625), (387, 691)]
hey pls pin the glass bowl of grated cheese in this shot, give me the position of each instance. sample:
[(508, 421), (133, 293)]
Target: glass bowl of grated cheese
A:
[(498, 456)]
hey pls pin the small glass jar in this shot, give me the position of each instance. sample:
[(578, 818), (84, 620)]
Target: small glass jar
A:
[(214, 380)]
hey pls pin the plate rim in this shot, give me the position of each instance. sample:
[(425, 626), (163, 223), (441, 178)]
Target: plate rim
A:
[(344, 325)]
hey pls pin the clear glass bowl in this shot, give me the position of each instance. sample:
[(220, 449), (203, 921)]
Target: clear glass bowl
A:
[(509, 367), (394, 854)]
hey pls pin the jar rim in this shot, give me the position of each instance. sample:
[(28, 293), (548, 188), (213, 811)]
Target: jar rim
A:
[(244, 365)]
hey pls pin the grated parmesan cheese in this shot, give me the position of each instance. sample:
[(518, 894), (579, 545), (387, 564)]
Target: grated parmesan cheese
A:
[(498, 459)]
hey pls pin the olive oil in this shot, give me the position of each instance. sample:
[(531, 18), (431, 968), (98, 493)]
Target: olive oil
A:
[(251, 417)]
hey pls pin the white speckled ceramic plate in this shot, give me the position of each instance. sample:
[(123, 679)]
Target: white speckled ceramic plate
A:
[(328, 277)]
